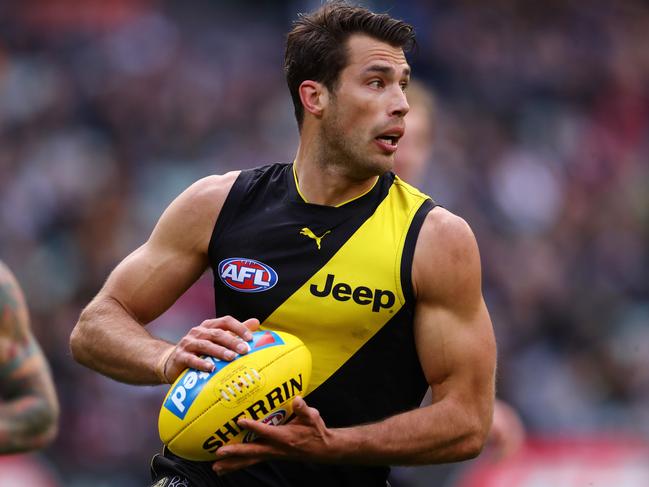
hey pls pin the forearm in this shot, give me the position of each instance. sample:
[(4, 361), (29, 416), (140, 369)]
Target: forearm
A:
[(446, 431), (107, 339), (27, 423), (29, 409), (439, 433)]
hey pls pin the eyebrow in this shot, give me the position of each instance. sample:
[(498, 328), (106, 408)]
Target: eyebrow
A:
[(378, 68)]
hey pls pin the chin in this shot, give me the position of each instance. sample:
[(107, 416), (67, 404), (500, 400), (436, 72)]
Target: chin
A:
[(385, 165), (372, 168)]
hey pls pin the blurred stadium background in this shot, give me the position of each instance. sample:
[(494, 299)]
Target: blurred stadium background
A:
[(108, 109)]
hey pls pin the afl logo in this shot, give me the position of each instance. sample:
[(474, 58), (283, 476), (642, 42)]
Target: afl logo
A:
[(247, 275)]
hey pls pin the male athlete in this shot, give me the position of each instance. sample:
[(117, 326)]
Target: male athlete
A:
[(29, 409), (381, 285)]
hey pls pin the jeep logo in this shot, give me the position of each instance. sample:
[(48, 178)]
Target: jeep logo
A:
[(361, 295)]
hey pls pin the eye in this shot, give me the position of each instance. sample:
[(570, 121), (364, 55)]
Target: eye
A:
[(376, 83), (404, 85)]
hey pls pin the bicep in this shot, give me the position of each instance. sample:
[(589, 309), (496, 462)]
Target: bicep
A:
[(152, 278), (456, 351), (453, 330)]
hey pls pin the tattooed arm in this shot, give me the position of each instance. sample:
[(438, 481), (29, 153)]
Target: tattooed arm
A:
[(28, 406)]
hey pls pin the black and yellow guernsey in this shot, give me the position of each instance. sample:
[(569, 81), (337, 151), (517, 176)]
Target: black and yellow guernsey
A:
[(339, 278)]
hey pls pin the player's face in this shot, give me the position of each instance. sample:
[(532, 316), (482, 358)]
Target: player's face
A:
[(364, 119)]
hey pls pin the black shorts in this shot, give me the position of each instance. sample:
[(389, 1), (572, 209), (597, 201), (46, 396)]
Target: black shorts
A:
[(169, 470)]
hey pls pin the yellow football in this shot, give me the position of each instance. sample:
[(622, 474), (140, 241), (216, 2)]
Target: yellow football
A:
[(201, 409)]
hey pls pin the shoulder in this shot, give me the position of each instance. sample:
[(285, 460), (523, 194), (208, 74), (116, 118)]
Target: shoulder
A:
[(10, 293), (213, 190), (5, 273), (208, 191), (448, 233), (407, 187), (190, 218), (446, 264)]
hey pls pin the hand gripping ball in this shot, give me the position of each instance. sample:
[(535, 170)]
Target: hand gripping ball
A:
[(201, 409)]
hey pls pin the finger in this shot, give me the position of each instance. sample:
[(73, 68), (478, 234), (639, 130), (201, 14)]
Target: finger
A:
[(189, 360), (252, 324), (299, 405), (242, 330), (304, 412), (205, 347), (226, 339), (260, 429), (256, 449), (221, 467), (202, 337)]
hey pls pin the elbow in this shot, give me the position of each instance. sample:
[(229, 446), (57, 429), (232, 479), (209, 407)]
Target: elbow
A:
[(40, 428), (76, 343), (78, 339), (473, 441), (52, 419), (52, 430), (472, 447), (46, 419), (49, 427)]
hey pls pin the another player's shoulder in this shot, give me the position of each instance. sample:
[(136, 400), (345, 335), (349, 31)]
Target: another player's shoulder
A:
[(9, 290), (5, 273), (12, 305)]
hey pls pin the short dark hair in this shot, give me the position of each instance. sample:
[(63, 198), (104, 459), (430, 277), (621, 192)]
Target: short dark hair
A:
[(316, 45)]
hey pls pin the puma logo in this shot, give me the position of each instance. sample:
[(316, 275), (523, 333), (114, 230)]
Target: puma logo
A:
[(307, 231)]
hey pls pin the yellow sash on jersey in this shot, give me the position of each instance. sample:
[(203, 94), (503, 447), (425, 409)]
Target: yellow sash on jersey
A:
[(364, 283)]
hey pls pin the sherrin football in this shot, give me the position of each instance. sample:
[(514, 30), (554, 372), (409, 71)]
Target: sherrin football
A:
[(201, 409)]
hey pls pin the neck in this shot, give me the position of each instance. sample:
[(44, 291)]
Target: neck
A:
[(325, 182)]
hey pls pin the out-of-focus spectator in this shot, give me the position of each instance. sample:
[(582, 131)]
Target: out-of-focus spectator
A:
[(543, 148)]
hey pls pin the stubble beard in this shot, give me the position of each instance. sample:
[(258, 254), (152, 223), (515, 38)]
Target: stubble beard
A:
[(344, 151)]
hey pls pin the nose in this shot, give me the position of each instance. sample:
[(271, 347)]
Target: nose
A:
[(400, 103)]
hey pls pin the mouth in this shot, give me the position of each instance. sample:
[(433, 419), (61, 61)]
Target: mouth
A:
[(389, 140)]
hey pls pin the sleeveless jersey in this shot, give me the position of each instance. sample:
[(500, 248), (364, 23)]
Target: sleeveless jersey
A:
[(339, 278)]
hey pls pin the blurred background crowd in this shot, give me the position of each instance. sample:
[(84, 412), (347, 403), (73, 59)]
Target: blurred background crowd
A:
[(110, 109)]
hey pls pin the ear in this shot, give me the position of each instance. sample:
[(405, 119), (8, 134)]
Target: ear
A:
[(314, 97)]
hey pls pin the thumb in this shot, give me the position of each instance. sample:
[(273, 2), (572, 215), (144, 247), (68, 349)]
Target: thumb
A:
[(299, 406)]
